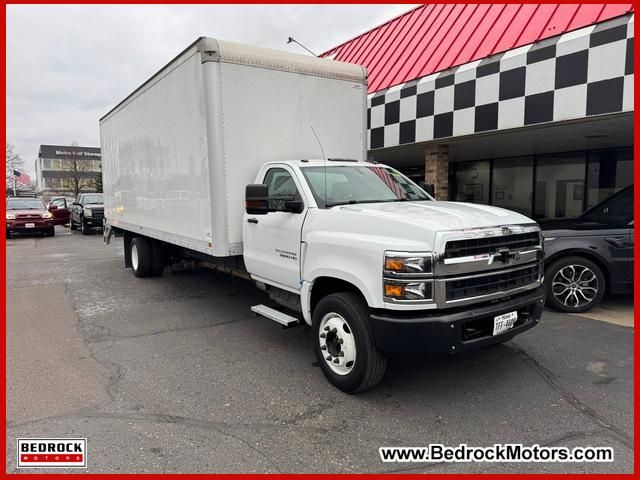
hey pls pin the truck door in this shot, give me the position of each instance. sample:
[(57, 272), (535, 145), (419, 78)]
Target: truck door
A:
[(272, 242)]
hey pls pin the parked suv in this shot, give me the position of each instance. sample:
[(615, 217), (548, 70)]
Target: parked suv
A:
[(87, 212), (590, 255), (27, 215)]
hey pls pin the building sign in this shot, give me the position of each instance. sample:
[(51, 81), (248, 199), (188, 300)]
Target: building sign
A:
[(62, 153), (69, 152)]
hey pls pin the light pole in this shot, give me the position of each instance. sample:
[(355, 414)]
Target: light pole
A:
[(293, 40)]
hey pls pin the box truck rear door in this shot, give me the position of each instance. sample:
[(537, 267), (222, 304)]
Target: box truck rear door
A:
[(272, 241)]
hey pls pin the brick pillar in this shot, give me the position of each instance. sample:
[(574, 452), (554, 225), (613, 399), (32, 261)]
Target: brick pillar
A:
[(436, 169)]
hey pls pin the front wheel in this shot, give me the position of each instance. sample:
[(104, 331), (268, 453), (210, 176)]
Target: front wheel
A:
[(344, 344), (575, 284), (84, 228), (72, 225)]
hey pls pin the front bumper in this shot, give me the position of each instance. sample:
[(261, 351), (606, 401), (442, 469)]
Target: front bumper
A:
[(20, 226), (455, 330), (93, 221)]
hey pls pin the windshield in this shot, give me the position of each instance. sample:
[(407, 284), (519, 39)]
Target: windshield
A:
[(25, 204), (615, 210), (346, 184), (92, 199)]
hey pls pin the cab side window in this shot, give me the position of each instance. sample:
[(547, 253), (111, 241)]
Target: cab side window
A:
[(281, 188), (59, 202)]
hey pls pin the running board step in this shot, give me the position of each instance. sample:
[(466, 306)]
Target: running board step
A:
[(273, 314)]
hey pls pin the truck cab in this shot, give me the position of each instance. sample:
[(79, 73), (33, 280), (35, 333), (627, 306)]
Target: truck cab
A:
[(379, 266)]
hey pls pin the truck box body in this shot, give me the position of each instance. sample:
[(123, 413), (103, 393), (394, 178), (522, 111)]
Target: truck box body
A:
[(251, 162), (179, 151)]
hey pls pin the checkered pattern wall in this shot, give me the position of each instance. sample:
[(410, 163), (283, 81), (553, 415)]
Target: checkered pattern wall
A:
[(574, 75)]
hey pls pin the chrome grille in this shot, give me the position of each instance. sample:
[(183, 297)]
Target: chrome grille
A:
[(486, 245)]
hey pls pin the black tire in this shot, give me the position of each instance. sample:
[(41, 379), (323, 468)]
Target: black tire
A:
[(158, 258), (72, 225), (141, 261), (84, 228), (8, 234), (558, 277), (51, 232), (369, 365)]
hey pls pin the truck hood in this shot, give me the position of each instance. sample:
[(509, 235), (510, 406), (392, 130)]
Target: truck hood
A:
[(439, 215)]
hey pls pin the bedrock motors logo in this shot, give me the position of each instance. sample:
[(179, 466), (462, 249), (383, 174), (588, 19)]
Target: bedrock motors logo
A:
[(52, 452)]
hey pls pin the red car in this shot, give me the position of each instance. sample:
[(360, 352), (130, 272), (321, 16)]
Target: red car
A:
[(26, 215)]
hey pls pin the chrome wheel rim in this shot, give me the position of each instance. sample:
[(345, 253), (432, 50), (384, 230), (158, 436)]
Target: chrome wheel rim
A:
[(134, 257), (337, 343), (575, 286)]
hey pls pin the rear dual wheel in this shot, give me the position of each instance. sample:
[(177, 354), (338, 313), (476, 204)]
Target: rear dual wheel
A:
[(147, 257)]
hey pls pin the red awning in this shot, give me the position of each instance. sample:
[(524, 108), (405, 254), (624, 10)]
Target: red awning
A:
[(435, 37)]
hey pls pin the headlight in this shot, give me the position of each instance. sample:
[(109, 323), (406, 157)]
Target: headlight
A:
[(47, 215), (11, 216), (407, 291), (407, 263), (87, 212)]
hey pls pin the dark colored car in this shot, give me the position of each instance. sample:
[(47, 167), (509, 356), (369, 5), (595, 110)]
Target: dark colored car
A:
[(28, 215), (87, 212), (590, 255), (60, 210)]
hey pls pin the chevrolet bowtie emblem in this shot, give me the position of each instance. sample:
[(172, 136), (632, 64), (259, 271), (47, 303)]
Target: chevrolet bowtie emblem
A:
[(504, 255)]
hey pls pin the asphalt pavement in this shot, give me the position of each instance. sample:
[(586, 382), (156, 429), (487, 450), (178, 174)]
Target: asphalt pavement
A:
[(175, 374)]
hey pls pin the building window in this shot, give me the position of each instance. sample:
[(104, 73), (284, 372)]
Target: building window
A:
[(561, 187), (607, 172), (559, 190), (511, 184), (472, 182)]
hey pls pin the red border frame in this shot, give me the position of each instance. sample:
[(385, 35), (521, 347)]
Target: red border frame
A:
[(3, 372)]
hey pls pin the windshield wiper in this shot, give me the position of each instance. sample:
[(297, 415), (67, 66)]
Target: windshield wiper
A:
[(354, 202)]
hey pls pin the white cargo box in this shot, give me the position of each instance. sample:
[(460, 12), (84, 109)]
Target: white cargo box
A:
[(178, 152)]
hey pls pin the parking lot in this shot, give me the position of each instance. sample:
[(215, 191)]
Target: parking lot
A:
[(175, 374)]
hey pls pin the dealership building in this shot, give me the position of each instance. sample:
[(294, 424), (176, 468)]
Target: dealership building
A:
[(58, 167), (527, 107)]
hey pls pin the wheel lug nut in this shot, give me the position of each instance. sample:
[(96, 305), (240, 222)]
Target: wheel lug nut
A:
[(336, 361), (329, 358), (323, 347), (323, 335), (327, 328), (334, 330)]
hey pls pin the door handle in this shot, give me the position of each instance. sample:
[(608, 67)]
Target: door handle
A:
[(252, 220)]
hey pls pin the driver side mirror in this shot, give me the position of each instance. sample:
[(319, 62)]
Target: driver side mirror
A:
[(256, 198)]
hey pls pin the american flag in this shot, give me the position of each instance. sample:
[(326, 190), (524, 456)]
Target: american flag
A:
[(390, 182), (22, 178)]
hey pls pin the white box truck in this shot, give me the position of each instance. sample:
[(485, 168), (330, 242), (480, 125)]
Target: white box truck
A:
[(253, 161)]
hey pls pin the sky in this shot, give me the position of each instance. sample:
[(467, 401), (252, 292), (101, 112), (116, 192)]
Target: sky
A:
[(67, 65)]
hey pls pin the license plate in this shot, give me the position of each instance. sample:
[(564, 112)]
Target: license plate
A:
[(504, 322), (29, 225)]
